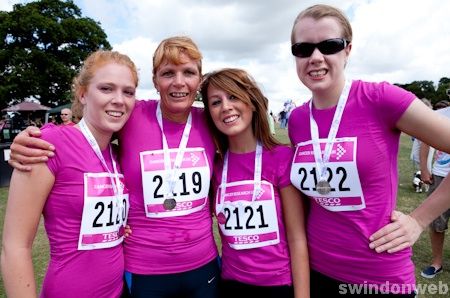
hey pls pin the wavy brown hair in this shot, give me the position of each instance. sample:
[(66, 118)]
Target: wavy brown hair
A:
[(240, 84)]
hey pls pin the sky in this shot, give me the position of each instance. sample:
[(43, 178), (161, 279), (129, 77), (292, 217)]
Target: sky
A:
[(398, 41)]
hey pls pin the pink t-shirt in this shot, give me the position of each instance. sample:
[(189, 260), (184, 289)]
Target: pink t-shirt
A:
[(339, 241), (72, 272), (267, 265), (171, 244)]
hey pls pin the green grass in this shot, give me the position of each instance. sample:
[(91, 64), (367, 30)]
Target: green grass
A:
[(407, 201)]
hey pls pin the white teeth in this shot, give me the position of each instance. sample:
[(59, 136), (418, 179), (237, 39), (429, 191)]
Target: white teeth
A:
[(114, 113), (317, 73), (179, 94), (230, 119)]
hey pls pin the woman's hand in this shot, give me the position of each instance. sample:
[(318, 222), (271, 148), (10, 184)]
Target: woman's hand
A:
[(402, 232), (28, 149)]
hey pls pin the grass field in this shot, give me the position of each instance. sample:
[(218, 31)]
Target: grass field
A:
[(407, 200)]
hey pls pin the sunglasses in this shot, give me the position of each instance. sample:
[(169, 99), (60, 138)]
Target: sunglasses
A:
[(326, 47), (64, 114)]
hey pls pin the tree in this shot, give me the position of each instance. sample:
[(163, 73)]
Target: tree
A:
[(42, 45), (443, 86), (422, 89), (426, 89)]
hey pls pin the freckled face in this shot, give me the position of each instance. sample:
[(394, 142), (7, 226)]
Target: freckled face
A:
[(109, 98)]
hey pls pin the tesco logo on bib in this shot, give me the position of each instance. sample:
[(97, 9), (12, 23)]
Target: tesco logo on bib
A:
[(328, 201)]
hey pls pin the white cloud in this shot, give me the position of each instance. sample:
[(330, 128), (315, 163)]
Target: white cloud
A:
[(397, 41), (7, 5)]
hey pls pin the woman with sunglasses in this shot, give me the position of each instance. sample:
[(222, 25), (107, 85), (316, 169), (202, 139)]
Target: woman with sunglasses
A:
[(347, 139), (260, 214)]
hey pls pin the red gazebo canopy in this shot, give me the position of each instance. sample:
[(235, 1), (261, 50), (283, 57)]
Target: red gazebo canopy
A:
[(26, 106)]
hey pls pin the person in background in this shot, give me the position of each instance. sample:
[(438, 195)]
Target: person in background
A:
[(283, 119), (271, 123), (79, 191), (166, 154), (441, 168), (264, 250), (346, 160), (415, 158), (66, 117)]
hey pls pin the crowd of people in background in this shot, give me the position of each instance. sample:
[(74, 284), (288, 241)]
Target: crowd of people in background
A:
[(306, 220)]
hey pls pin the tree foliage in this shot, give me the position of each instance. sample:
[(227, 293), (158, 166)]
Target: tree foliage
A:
[(426, 89), (42, 45)]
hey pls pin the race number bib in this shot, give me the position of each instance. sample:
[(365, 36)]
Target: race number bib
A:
[(341, 173), (244, 223), (104, 213), (191, 187)]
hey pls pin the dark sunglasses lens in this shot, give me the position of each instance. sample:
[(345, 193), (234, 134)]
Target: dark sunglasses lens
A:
[(326, 47), (302, 49), (331, 46)]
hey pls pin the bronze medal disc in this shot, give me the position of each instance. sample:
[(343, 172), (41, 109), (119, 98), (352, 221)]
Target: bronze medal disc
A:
[(221, 219), (323, 187), (169, 204)]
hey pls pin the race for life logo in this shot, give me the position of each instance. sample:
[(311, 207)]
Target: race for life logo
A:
[(247, 221), (191, 182), (105, 212), (340, 172)]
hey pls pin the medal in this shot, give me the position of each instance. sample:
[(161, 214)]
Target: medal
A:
[(221, 218), (169, 204), (323, 187)]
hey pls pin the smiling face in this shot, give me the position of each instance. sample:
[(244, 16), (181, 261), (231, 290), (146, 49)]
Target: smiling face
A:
[(230, 115), (108, 99), (178, 85), (322, 74)]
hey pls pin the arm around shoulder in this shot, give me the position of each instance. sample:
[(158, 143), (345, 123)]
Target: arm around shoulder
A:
[(27, 195), (27, 148)]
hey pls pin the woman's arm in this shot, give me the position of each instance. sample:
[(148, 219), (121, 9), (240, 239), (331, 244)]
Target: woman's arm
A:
[(27, 148), (426, 125), (425, 174), (404, 230), (27, 195), (294, 220)]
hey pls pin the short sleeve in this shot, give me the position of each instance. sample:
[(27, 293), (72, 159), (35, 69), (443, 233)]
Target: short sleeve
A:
[(284, 155)]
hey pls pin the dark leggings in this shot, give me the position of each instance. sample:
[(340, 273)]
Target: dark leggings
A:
[(323, 286), (198, 283), (235, 289)]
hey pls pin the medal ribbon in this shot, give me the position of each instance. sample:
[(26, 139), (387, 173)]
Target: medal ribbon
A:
[(181, 148), (256, 176), (118, 190), (321, 162)]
